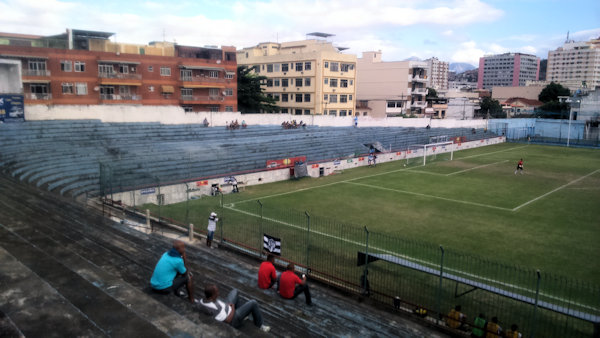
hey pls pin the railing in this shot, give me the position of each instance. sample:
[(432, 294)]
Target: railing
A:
[(34, 72), (419, 91), (201, 98), (33, 96), (419, 104), (118, 97), (107, 75), (202, 79), (419, 77)]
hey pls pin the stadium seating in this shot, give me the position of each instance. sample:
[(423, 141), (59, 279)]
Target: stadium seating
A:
[(65, 156)]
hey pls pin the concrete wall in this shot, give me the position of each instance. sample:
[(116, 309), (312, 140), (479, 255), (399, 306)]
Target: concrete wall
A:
[(10, 77), (521, 128), (176, 115), (177, 193)]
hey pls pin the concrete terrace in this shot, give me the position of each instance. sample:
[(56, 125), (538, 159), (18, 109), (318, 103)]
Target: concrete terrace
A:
[(65, 270)]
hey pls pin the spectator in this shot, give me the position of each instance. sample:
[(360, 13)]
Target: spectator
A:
[(205, 122), (244, 125), (370, 159), (371, 149), (479, 325), (456, 319), (355, 121), (230, 311), (290, 286), (171, 273), (513, 332), (267, 275), (212, 226), (493, 329), (234, 184)]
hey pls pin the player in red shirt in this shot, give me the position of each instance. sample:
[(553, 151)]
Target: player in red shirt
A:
[(519, 167), (267, 275), (290, 285)]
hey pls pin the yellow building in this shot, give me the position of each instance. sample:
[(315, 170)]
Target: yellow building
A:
[(305, 77)]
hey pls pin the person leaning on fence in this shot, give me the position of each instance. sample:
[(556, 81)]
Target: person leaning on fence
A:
[(212, 226), (513, 332), (171, 273), (493, 329), (479, 325), (290, 285), (230, 311), (267, 275), (456, 319)]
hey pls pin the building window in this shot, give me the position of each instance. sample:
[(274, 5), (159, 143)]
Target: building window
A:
[(325, 97), (306, 97), (346, 67), (105, 70), (284, 97), (307, 65), (349, 97), (188, 109), (307, 82), (333, 83), (229, 92), (351, 82), (151, 69), (284, 67), (284, 82), (344, 83), (165, 71), (186, 92), (276, 83), (269, 83), (66, 66), (67, 88), (298, 97), (81, 88), (333, 112), (306, 111), (229, 76), (298, 82), (298, 112), (213, 74), (298, 66), (124, 90), (350, 112), (123, 69), (335, 66), (151, 89), (326, 65), (276, 67), (214, 109), (213, 92), (333, 98), (276, 97), (342, 113), (283, 110), (269, 68), (326, 81), (343, 99), (79, 66), (37, 67), (364, 113), (229, 109), (257, 69)]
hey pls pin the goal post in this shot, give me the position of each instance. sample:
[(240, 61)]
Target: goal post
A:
[(430, 152)]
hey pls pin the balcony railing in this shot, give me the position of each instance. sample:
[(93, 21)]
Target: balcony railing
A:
[(419, 77), (32, 96), (118, 97), (106, 75), (201, 98), (419, 104), (35, 72), (419, 91), (201, 79)]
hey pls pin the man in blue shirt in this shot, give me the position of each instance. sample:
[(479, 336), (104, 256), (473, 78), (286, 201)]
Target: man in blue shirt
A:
[(171, 272)]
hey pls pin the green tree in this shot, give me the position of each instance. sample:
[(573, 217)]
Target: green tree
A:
[(251, 98), (431, 94), (491, 106), (552, 91), (552, 107)]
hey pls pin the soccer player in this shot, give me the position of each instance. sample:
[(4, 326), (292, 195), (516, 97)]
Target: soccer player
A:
[(519, 167)]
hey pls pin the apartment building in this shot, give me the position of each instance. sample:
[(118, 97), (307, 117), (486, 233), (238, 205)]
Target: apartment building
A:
[(309, 77), (575, 65), (85, 68), (390, 88), (438, 74), (508, 69)]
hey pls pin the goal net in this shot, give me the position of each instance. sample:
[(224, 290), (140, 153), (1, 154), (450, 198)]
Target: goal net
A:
[(421, 154)]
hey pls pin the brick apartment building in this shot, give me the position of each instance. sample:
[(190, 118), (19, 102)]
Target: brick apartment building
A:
[(85, 68)]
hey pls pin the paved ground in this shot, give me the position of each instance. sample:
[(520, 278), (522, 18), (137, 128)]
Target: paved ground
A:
[(67, 271)]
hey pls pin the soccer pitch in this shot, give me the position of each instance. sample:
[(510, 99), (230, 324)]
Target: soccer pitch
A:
[(547, 218)]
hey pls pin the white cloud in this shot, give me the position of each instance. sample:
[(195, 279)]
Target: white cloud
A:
[(448, 32), (468, 52)]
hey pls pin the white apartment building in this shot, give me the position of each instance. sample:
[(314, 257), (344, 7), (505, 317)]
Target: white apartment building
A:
[(305, 77), (390, 88), (438, 74), (575, 65)]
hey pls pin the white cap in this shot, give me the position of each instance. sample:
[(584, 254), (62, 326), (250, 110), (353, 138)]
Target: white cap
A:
[(212, 214)]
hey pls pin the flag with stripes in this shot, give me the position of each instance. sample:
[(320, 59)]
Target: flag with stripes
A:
[(272, 244)]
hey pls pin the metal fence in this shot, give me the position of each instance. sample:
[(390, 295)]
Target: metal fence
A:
[(398, 272)]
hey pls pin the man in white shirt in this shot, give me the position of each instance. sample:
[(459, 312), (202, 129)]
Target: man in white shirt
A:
[(212, 226), (230, 311)]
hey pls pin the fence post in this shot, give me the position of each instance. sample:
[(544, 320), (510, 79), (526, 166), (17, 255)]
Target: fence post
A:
[(222, 219), (191, 232), (439, 293), (187, 202), (148, 223), (366, 270), (260, 230), (160, 199), (535, 307), (307, 238)]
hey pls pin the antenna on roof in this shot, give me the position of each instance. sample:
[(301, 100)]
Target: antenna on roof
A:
[(567, 41)]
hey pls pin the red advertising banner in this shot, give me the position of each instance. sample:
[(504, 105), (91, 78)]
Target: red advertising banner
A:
[(201, 183), (285, 163), (315, 165)]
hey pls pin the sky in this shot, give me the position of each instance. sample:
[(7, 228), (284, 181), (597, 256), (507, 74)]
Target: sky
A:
[(453, 31)]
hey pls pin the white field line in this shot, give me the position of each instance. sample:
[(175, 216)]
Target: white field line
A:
[(493, 152), (475, 168), (410, 258), (555, 190), (430, 196)]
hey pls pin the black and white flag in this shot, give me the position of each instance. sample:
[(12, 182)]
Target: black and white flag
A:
[(272, 244)]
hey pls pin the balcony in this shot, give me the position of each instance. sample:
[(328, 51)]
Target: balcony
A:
[(419, 104), (117, 97), (39, 97), (197, 98), (419, 91), (419, 78), (106, 75), (33, 72), (202, 78)]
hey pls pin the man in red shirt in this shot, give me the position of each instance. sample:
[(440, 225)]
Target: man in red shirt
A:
[(519, 167), (267, 276), (290, 285)]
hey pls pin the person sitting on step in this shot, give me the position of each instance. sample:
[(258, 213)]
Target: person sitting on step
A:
[(171, 273)]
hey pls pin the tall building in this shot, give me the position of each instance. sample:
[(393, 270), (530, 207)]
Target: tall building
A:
[(508, 69), (83, 67), (305, 77), (575, 65), (438, 74), (391, 88)]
